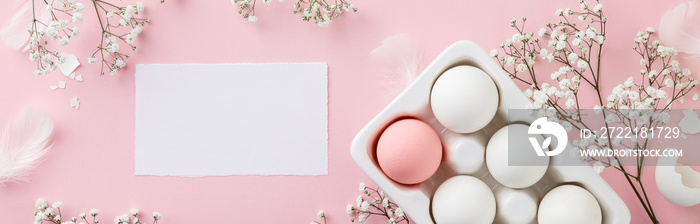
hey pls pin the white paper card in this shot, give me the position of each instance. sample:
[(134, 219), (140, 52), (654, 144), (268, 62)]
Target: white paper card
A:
[(232, 119)]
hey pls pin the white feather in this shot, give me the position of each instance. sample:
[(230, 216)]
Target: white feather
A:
[(680, 28), (402, 60), (16, 33), (24, 144)]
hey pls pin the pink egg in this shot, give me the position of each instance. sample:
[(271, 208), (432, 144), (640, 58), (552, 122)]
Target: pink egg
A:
[(409, 151)]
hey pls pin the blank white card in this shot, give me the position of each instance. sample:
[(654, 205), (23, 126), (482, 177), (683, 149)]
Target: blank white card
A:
[(232, 119)]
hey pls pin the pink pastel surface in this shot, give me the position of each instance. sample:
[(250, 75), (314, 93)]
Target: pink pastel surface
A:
[(92, 162), (409, 151)]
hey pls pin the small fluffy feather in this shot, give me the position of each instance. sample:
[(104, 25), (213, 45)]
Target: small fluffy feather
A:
[(680, 28), (16, 33), (401, 58), (24, 145)]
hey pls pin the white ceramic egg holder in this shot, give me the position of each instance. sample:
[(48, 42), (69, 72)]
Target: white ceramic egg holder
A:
[(414, 102)]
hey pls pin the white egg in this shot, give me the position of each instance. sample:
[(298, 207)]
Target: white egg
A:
[(679, 184), (515, 206), (463, 199), (569, 204), (464, 99), (497, 153)]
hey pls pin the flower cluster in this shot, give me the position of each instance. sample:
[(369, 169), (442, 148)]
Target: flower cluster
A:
[(375, 202), (320, 11), (52, 21), (120, 25), (642, 100), (321, 214), (52, 214)]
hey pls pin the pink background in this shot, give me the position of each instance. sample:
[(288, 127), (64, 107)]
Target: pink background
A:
[(92, 162)]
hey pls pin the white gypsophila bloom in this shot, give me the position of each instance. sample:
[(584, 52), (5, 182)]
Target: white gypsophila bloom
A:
[(399, 212), (78, 7), (385, 202), (600, 39), (129, 39), (517, 38), (509, 43), (252, 19), (576, 79), (650, 30), (136, 220), (616, 141), (559, 12), (119, 63), (510, 61), (551, 91), (110, 14), (653, 73), (122, 22), (134, 211), (550, 57), (598, 167), (581, 18), (567, 126), (610, 119), (572, 57), (49, 212), (92, 60), (75, 31), (77, 17), (94, 212), (584, 5), (122, 219), (686, 72), (157, 215), (663, 117), (521, 68), (493, 53), (576, 42), (364, 206), (661, 94), (560, 45), (34, 56), (669, 82), (349, 209), (362, 186), (321, 214), (53, 33), (570, 103), (555, 75), (643, 62), (392, 221), (41, 204), (581, 64), (629, 82), (632, 95), (569, 94), (63, 41), (542, 32), (57, 204), (564, 84), (528, 93), (590, 33), (618, 90), (362, 218), (553, 35), (598, 7), (359, 200), (559, 94), (568, 11), (139, 7), (666, 51), (564, 36), (544, 53), (642, 120)]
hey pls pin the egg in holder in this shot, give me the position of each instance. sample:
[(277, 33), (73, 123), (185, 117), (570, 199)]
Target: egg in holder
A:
[(439, 150)]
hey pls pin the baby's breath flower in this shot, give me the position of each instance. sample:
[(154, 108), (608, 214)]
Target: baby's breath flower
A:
[(349, 209), (157, 216), (321, 214), (94, 212)]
